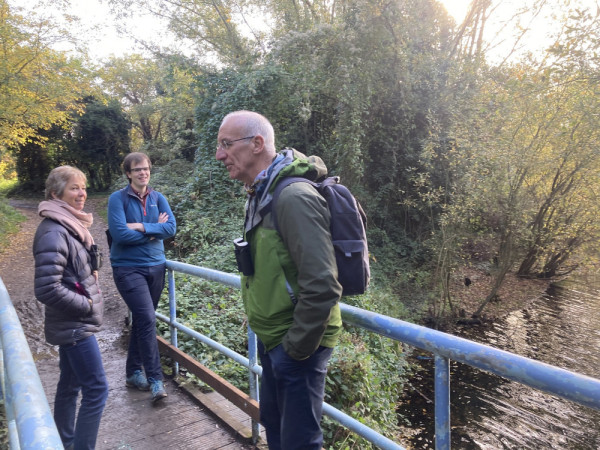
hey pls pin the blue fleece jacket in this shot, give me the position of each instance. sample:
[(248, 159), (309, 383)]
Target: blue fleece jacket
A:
[(134, 248)]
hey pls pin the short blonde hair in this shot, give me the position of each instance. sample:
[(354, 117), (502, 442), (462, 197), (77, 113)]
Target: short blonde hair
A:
[(59, 177)]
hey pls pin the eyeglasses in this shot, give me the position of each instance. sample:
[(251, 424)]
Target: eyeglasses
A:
[(140, 169), (225, 144)]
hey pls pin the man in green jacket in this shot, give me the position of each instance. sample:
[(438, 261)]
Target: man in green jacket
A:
[(291, 298)]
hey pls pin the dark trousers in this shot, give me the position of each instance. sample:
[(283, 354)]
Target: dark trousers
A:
[(80, 370), (141, 288), (291, 398)]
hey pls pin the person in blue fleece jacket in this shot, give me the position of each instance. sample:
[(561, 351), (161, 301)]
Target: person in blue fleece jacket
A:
[(139, 219)]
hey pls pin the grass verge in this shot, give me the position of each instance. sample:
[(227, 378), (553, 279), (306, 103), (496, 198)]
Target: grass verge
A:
[(10, 218)]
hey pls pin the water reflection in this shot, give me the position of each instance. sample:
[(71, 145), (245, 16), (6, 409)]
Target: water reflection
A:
[(561, 328)]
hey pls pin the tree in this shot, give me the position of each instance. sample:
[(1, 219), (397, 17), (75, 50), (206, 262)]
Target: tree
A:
[(214, 31), (136, 82), (96, 143), (157, 95), (34, 159), (39, 87), (99, 142)]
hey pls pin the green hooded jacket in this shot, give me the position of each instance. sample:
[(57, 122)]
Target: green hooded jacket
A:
[(301, 257)]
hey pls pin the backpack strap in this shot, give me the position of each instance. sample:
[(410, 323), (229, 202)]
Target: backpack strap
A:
[(125, 198), (280, 187), (271, 207)]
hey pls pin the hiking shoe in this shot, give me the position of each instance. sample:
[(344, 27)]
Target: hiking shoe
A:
[(138, 380), (157, 388)]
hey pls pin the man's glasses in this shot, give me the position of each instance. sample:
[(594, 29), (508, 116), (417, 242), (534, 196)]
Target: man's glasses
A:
[(225, 144), (140, 169)]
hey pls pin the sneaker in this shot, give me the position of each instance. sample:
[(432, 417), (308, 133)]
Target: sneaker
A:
[(138, 380), (157, 388)]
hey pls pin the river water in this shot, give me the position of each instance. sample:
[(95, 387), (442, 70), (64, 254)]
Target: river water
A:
[(561, 328)]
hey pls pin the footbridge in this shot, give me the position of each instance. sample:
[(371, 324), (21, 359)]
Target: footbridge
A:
[(229, 418)]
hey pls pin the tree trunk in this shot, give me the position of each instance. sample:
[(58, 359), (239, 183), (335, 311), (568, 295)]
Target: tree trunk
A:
[(505, 262)]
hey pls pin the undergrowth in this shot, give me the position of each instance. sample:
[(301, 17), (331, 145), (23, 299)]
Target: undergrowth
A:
[(366, 373), (10, 218)]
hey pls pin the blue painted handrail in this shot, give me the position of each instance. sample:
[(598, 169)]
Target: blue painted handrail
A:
[(30, 422), (445, 347), (254, 369)]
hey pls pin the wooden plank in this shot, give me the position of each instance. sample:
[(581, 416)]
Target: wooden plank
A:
[(222, 386)]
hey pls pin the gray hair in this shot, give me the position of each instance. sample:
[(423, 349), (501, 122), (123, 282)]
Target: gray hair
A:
[(256, 124), (59, 177)]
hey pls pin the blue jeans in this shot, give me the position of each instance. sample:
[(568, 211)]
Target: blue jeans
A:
[(291, 398), (141, 288), (80, 370)]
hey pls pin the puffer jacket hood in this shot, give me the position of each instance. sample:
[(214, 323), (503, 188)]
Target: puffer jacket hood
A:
[(64, 282)]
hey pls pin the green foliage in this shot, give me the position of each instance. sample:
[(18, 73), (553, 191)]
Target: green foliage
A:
[(157, 96), (365, 380), (265, 90), (10, 219), (40, 87), (96, 143), (215, 311), (34, 161), (6, 185), (99, 142)]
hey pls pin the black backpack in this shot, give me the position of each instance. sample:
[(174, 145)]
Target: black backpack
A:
[(348, 231)]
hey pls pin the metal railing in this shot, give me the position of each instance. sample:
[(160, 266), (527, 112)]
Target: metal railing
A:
[(31, 426), (445, 347), (28, 417)]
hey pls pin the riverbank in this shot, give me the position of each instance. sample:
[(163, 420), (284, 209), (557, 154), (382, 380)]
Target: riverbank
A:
[(471, 286)]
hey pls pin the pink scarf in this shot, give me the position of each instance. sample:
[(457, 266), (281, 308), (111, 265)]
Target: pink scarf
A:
[(75, 221)]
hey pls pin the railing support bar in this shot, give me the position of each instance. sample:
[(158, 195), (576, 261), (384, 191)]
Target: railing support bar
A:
[(173, 316), (442, 403), (253, 379)]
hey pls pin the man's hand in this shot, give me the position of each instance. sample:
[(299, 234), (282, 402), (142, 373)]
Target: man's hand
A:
[(163, 217)]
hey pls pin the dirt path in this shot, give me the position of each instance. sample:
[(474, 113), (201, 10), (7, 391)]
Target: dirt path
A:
[(17, 271), (130, 420)]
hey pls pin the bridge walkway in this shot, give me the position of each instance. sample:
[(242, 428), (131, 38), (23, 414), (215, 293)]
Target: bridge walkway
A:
[(130, 421)]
